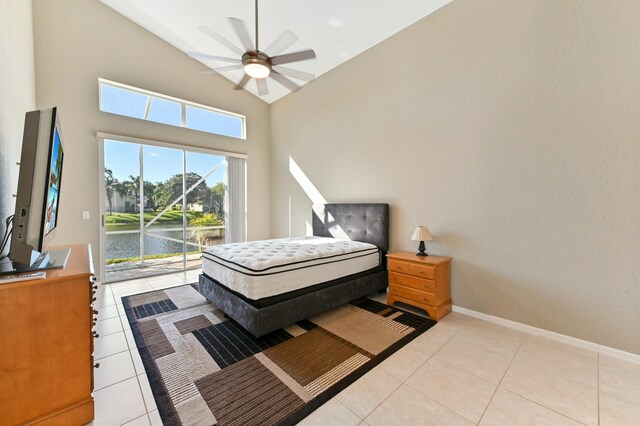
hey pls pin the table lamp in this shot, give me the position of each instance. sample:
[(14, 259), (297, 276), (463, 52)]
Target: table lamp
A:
[(421, 234)]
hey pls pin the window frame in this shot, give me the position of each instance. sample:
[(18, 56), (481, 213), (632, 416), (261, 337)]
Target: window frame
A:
[(183, 108), (102, 136)]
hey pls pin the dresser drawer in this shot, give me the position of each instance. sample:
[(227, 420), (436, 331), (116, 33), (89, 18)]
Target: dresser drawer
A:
[(397, 266), (412, 294), (413, 282), (424, 271)]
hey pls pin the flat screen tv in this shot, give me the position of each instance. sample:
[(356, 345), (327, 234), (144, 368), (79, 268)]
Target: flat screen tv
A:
[(38, 194)]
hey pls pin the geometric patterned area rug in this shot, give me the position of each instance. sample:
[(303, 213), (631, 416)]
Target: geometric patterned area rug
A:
[(205, 369)]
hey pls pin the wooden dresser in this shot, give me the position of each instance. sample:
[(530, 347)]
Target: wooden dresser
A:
[(421, 281), (46, 346)]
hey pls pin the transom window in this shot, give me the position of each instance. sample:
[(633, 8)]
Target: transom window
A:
[(121, 99)]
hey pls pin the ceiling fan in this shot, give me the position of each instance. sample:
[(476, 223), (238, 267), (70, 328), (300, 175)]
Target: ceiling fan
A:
[(259, 64)]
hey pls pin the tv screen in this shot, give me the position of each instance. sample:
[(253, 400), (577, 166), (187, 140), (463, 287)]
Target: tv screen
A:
[(38, 194), (54, 175)]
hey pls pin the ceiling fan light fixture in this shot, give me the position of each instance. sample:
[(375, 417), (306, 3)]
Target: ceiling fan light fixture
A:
[(257, 70), (256, 64)]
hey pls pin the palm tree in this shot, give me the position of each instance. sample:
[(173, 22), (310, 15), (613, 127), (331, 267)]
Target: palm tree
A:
[(121, 189), (133, 185), (109, 186), (214, 200)]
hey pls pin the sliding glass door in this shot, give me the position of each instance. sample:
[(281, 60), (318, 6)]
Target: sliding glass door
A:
[(162, 207)]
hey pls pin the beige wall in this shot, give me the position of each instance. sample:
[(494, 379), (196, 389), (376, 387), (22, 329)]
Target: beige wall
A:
[(17, 94), (78, 41), (512, 130)]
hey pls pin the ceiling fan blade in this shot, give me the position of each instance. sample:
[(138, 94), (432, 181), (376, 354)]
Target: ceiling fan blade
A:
[(206, 57), (214, 35), (243, 34), (229, 68), (284, 80), (218, 69), (303, 55), (284, 40), (263, 89), (300, 75), (243, 82)]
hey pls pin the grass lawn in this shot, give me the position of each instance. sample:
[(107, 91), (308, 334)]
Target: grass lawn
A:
[(170, 217), (147, 257)]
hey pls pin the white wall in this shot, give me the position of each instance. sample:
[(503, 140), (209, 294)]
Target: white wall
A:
[(78, 41), (512, 130), (17, 94)]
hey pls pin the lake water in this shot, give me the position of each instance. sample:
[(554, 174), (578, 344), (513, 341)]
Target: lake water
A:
[(128, 245)]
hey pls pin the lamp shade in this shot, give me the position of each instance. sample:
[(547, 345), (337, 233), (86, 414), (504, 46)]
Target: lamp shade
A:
[(421, 234)]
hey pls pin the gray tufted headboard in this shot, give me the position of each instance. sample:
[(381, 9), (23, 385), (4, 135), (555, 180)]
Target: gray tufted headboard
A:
[(359, 222)]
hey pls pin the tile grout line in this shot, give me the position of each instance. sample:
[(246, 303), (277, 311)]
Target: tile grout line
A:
[(143, 400), (113, 384), (344, 405), (403, 382), (385, 398), (524, 397), (432, 355), (544, 406), (436, 352), (549, 408), (471, 372), (134, 367), (443, 345), (107, 356), (515, 353), (121, 319), (139, 417), (437, 402)]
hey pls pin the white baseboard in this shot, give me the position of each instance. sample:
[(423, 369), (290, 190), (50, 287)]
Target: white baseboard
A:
[(606, 350)]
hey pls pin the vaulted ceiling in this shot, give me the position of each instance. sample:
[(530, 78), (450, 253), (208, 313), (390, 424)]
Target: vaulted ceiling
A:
[(337, 30)]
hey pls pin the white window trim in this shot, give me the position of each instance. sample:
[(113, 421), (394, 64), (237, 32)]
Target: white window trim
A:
[(182, 102), (102, 135)]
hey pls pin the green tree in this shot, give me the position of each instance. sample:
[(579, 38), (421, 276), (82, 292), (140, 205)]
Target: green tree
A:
[(214, 199), (133, 187), (109, 187), (121, 188), (171, 190), (149, 194), (205, 236)]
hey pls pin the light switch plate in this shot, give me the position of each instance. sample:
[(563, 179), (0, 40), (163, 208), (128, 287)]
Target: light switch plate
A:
[(86, 216)]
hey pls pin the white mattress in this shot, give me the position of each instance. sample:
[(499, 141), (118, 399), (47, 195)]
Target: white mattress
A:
[(267, 268)]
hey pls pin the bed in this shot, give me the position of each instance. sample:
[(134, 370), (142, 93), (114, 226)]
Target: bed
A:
[(270, 296)]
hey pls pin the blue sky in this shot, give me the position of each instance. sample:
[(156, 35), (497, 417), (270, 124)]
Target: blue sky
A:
[(121, 101), (159, 163)]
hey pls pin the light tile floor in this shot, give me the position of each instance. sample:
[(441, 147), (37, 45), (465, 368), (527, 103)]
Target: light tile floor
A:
[(463, 371)]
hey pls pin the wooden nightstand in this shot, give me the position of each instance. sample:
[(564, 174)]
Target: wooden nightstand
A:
[(421, 281)]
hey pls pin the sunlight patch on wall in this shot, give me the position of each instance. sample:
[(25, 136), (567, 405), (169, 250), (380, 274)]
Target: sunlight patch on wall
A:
[(309, 188)]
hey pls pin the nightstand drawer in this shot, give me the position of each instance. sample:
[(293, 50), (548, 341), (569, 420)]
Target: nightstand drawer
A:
[(411, 294), (421, 271), (413, 282), (404, 267)]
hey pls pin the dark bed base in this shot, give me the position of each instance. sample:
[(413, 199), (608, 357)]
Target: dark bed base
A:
[(260, 321), (367, 222)]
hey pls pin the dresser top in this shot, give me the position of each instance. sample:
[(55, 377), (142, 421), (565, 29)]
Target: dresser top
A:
[(80, 262), (411, 256)]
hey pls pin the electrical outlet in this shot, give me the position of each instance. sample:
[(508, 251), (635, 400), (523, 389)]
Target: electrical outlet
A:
[(86, 216)]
